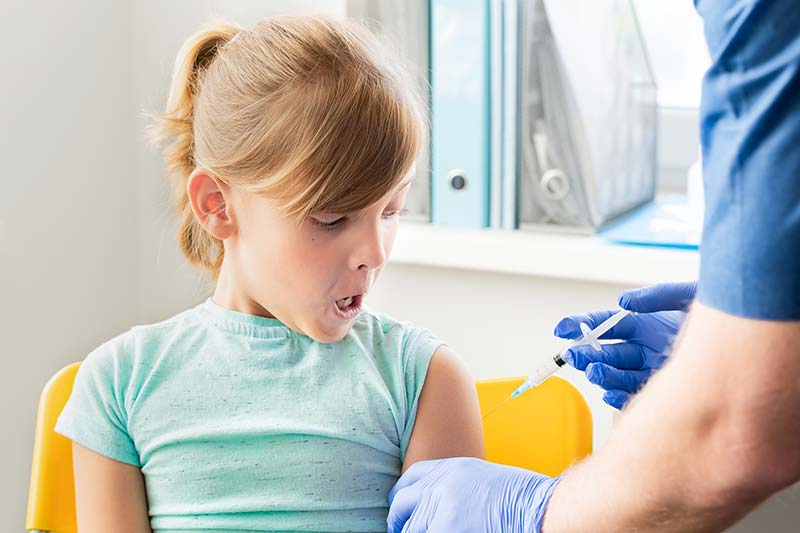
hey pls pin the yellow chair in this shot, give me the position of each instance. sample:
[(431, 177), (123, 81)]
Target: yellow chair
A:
[(51, 500), (545, 430)]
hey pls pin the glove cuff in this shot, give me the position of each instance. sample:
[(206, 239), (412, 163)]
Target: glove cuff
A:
[(540, 490)]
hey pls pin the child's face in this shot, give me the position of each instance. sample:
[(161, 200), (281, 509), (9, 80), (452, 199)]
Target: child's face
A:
[(304, 275)]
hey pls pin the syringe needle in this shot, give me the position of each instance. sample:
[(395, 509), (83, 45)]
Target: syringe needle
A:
[(501, 404)]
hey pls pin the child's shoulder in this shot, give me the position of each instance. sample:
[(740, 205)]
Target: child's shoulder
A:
[(394, 335), (141, 340), (185, 319), (381, 325)]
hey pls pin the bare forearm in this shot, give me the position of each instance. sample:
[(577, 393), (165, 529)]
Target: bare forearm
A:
[(694, 450)]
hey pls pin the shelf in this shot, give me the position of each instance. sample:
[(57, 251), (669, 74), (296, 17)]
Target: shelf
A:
[(544, 254)]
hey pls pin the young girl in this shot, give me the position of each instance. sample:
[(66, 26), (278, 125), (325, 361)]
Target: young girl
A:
[(280, 403)]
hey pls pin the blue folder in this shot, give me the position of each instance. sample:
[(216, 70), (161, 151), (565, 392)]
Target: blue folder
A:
[(666, 221), (460, 112)]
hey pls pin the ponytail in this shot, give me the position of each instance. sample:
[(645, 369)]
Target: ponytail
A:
[(176, 128)]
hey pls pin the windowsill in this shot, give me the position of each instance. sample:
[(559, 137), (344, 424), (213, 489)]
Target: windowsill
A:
[(550, 255)]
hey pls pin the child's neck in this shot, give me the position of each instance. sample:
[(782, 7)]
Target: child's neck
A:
[(231, 296)]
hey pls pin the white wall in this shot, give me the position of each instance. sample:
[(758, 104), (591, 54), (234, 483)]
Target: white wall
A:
[(68, 246), (501, 325)]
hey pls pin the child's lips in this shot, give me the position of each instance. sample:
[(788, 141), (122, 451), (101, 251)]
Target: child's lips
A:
[(348, 307)]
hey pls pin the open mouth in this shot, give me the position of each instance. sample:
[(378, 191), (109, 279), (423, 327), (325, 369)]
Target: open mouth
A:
[(350, 306)]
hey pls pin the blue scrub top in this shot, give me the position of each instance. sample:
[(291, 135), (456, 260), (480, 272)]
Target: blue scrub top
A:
[(750, 132)]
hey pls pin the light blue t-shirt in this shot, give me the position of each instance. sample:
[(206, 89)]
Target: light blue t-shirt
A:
[(239, 423)]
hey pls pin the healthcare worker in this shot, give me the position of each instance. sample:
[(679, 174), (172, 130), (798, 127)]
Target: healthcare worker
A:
[(715, 432)]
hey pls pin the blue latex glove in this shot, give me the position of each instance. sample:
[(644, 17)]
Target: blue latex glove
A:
[(468, 495), (623, 368)]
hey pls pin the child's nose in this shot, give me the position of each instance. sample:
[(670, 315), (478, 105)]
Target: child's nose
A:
[(369, 249)]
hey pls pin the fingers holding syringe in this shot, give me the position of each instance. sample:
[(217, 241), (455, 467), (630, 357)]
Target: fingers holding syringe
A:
[(621, 355), (570, 327), (611, 378), (616, 398)]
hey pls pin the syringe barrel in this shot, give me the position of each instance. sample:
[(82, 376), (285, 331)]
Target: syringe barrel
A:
[(546, 370)]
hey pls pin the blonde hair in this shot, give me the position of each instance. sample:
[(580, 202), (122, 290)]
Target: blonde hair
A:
[(309, 111)]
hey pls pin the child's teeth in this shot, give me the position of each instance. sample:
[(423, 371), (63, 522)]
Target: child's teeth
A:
[(346, 302)]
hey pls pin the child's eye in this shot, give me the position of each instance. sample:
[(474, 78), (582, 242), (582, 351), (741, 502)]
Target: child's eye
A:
[(331, 222), (397, 213), (327, 224)]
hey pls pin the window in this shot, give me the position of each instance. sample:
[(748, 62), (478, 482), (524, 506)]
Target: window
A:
[(673, 34)]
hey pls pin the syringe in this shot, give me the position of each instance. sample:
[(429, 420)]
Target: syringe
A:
[(590, 336)]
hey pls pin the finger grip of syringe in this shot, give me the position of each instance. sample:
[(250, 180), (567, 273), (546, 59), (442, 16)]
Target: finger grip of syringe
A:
[(540, 374)]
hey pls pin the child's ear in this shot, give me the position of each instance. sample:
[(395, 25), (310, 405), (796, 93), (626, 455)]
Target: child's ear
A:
[(208, 197)]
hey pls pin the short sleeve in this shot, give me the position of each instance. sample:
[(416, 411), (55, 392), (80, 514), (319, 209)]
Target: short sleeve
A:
[(95, 415), (750, 129), (418, 349)]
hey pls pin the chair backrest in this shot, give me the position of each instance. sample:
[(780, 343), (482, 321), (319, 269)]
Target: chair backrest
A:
[(51, 499), (545, 429)]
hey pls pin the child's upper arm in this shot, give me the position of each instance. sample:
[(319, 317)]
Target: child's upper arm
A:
[(96, 413), (448, 420), (109, 495)]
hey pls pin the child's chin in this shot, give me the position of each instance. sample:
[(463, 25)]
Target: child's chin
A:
[(330, 334)]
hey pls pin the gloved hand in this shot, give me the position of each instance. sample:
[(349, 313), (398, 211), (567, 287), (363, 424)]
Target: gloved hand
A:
[(623, 368), (468, 495)]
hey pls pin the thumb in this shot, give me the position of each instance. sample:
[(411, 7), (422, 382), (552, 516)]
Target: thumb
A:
[(416, 472), (402, 506)]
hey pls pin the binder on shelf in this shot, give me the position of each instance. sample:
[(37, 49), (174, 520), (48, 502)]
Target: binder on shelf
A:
[(543, 112), (496, 133), (587, 114), (460, 37), (509, 155)]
